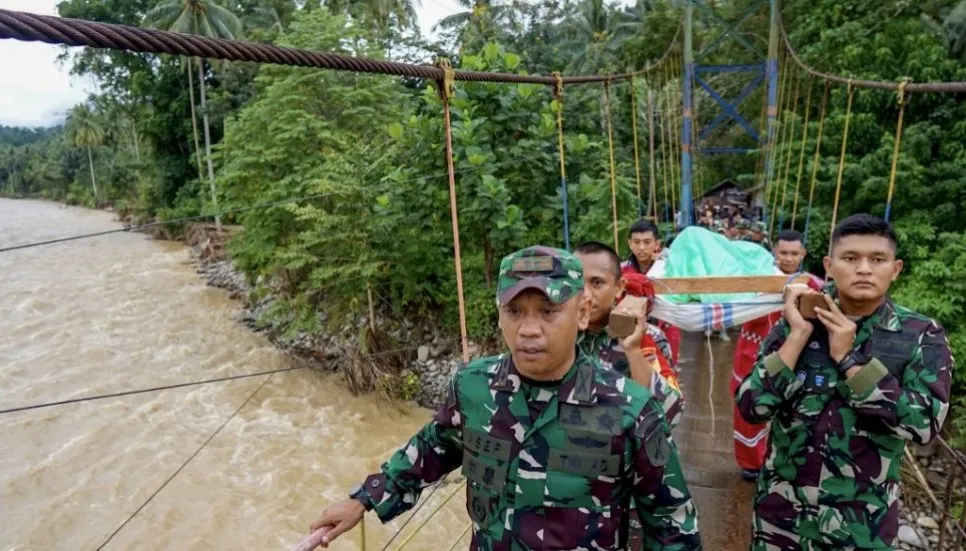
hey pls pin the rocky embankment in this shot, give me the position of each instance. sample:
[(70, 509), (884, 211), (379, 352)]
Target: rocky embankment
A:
[(920, 517), (428, 356)]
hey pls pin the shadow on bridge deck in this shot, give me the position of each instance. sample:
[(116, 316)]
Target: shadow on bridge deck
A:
[(704, 440)]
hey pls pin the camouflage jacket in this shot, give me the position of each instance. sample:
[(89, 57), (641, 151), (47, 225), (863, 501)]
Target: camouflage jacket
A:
[(836, 445), (611, 355), (561, 480)]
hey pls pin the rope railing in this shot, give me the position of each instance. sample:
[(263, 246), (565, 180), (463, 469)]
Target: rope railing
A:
[(77, 32)]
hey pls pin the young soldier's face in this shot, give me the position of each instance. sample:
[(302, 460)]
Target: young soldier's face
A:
[(541, 335), (644, 245), (863, 266), (789, 256), (601, 285)]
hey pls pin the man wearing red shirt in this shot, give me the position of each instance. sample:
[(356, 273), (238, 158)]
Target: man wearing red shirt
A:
[(645, 244), (751, 441)]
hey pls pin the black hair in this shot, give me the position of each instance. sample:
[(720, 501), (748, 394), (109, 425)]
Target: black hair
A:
[(595, 247), (791, 236), (864, 224), (643, 226)]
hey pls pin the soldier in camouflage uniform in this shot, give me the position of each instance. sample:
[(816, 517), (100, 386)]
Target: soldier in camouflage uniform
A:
[(844, 393), (631, 356), (758, 235), (744, 229), (553, 446)]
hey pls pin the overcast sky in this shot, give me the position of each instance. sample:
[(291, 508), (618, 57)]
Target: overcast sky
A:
[(37, 90)]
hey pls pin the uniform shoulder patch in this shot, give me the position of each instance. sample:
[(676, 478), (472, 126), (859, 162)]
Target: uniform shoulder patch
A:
[(653, 435)]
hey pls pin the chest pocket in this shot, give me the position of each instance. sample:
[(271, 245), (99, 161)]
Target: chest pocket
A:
[(583, 473), (486, 463), (816, 369), (895, 350)]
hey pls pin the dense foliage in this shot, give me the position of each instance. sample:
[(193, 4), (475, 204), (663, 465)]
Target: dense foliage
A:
[(369, 150)]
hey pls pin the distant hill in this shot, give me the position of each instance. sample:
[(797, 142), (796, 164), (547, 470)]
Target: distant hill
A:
[(17, 136)]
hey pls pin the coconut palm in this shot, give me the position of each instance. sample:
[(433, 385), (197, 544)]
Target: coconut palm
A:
[(595, 35), (85, 131), (480, 20), (206, 18)]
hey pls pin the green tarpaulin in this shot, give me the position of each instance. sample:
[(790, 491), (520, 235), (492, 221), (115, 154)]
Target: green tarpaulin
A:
[(698, 252)]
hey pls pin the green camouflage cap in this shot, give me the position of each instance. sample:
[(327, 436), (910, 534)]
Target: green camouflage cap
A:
[(555, 272), (743, 224), (759, 226)]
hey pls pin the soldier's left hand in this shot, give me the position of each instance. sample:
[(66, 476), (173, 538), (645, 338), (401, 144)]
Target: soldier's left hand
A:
[(841, 330), (632, 342)]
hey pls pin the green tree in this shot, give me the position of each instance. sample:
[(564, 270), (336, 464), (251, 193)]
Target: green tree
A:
[(315, 134), (86, 132), (206, 18)]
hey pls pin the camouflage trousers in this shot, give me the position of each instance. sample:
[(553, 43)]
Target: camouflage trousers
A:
[(773, 541)]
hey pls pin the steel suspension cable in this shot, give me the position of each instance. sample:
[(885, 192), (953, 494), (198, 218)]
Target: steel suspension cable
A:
[(760, 162), (817, 160), (784, 98), (841, 172), (789, 147), (897, 148), (662, 113), (676, 107), (613, 167), (186, 462), (431, 514), (558, 95), (145, 390), (775, 138), (651, 113), (801, 154), (637, 154), (30, 27), (695, 151)]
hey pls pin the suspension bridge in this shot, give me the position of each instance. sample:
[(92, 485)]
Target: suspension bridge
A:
[(673, 86)]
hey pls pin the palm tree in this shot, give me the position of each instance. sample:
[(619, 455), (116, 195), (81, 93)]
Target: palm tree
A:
[(596, 33), (85, 131), (206, 18), (378, 14), (485, 14)]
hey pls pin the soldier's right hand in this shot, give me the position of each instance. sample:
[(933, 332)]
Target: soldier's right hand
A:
[(338, 519), (793, 317)]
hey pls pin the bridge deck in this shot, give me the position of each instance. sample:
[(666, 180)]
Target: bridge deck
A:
[(704, 441)]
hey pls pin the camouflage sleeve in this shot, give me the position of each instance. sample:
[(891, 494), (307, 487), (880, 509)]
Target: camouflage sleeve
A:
[(660, 493), (669, 397), (914, 407), (428, 456), (770, 383)]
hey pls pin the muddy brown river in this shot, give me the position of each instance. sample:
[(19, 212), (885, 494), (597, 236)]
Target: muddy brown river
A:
[(123, 312)]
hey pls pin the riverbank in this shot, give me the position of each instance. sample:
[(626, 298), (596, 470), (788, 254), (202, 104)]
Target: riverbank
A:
[(421, 363)]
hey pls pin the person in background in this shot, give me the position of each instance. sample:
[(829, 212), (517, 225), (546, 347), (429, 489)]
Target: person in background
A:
[(758, 230), (553, 446), (644, 355), (645, 244), (844, 393), (751, 439)]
